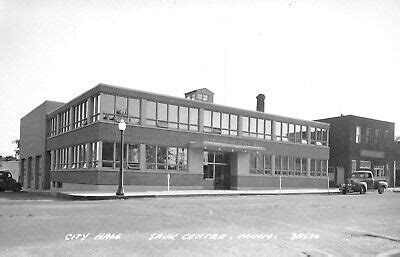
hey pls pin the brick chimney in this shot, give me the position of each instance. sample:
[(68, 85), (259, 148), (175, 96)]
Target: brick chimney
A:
[(261, 103)]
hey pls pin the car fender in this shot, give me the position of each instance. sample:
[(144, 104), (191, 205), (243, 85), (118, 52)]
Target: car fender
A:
[(382, 184), (361, 184)]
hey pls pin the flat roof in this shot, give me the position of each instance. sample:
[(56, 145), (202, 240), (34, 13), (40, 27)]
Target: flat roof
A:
[(106, 88), (354, 116)]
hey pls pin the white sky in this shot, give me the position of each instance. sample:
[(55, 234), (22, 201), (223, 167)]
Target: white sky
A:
[(312, 59)]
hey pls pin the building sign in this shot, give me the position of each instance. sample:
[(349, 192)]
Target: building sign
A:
[(228, 141), (372, 154)]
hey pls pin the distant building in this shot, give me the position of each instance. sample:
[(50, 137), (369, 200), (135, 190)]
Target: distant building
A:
[(362, 143), (202, 145)]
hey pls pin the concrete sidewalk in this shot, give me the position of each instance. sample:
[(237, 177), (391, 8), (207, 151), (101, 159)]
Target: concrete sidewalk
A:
[(186, 193)]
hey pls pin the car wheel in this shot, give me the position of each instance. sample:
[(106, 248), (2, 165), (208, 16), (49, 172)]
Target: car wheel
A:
[(344, 191), (362, 190), (381, 190)]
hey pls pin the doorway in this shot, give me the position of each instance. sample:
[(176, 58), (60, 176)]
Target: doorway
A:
[(217, 168)]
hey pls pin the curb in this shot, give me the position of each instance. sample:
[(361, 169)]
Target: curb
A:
[(68, 196), (41, 193)]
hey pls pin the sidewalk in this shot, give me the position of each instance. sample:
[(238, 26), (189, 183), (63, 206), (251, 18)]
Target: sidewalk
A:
[(186, 193)]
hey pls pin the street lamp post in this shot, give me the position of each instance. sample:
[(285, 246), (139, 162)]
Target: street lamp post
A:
[(120, 190)]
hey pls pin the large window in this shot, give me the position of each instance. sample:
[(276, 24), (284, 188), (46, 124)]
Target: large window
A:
[(133, 156), (281, 131), (220, 123), (116, 108), (107, 106), (95, 107), (80, 115), (62, 157), (64, 124), (278, 131), (134, 111), (292, 166), (108, 154), (121, 108), (183, 118), (172, 116), (260, 164), (118, 155), (79, 156), (111, 155), (94, 154), (319, 136), (254, 127), (304, 135), (166, 158), (194, 119), (211, 162), (278, 164), (318, 168), (53, 127)]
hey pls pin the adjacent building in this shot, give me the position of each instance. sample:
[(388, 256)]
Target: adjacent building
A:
[(201, 145), (358, 143)]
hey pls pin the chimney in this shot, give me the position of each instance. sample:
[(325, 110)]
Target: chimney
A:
[(260, 103)]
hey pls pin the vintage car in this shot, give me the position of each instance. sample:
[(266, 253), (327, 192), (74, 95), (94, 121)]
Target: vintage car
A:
[(361, 181), (8, 183)]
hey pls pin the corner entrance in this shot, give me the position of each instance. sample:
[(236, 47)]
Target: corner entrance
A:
[(216, 167)]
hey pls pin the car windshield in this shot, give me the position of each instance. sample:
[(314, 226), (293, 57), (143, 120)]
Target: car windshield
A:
[(358, 175)]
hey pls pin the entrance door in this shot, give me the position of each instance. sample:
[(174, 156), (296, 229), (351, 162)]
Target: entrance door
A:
[(216, 168), (222, 177)]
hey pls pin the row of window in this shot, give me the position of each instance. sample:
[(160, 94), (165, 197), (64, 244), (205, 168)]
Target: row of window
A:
[(166, 158), (199, 96), (61, 123), (115, 108), (80, 114), (371, 137), (172, 116), (88, 156), (220, 123), (60, 158), (286, 165)]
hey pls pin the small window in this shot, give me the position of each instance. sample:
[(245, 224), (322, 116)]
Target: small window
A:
[(358, 134)]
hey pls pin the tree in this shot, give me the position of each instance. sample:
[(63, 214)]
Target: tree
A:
[(17, 151)]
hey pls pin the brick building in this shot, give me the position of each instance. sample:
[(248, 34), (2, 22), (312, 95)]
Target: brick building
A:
[(362, 143), (202, 145)]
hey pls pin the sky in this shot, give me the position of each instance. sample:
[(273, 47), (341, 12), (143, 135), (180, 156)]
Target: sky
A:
[(312, 59)]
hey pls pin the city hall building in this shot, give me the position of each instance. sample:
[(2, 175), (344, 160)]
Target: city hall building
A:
[(201, 145)]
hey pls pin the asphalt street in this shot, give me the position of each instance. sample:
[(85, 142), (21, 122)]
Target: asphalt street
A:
[(294, 225)]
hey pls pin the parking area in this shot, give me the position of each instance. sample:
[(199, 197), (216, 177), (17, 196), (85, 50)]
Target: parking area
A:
[(197, 226)]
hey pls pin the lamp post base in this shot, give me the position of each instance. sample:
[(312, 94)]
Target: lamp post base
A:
[(120, 191)]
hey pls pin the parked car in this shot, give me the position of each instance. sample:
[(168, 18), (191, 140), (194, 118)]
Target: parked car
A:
[(361, 181), (8, 183)]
